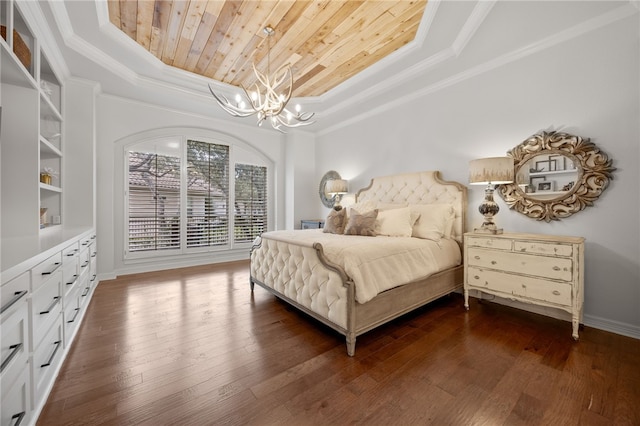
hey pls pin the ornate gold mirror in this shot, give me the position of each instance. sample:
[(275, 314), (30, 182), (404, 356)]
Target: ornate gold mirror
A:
[(557, 175), (326, 198)]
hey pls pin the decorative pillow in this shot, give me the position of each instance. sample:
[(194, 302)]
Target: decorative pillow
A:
[(335, 222), (435, 221), (362, 224), (395, 222)]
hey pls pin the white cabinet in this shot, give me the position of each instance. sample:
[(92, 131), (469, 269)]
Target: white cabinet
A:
[(42, 306), (538, 269)]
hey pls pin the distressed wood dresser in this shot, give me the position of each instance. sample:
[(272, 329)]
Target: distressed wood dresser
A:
[(545, 270)]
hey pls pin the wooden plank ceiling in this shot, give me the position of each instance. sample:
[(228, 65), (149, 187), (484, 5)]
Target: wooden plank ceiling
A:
[(324, 41)]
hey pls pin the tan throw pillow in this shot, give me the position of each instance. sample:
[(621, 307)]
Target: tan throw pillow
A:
[(335, 222), (362, 224)]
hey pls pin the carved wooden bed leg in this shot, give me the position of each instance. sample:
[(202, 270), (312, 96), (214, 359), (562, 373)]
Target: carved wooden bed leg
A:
[(351, 344)]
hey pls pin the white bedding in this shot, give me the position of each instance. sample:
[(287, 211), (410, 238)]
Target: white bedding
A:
[(376, 264)]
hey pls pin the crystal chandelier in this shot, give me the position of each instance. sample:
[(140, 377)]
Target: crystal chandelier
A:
[(264, 100)]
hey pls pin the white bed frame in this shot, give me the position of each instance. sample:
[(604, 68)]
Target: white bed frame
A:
[(270, 270)]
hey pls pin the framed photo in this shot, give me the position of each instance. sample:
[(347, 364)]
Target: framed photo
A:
[(561, 161), (545, 186), (548, 165)]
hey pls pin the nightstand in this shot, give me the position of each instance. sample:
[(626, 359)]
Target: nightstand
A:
[(544, 270), (311, 223)]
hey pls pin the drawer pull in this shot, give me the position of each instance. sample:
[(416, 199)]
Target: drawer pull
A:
[(16, 296), (53, 355), (94, 254), (493, 262), (93, 278), (84, 265), (75, 278), (14, 351), (476, 277), (556, 292), (55, 268), (556, 268), (75, 316), (85, 243), (71, 254), (18, 417), (86, 291), (55, 302), (476, 257), (93, 237)]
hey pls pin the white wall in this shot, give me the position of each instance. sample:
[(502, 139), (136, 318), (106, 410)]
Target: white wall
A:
[(585, 84)]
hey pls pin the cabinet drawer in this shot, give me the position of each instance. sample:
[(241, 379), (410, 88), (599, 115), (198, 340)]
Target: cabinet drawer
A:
[(14, 291), (46, 358), (84, 259), (14, 342), (69, 277), (44, 270), (542, 266), (46, 305), (16, 405), (520, 286), (550, 249), (488, 242), (71, 315), (70, 254)]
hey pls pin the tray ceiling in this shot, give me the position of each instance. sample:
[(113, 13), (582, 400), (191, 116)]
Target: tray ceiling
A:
[(326, 42)]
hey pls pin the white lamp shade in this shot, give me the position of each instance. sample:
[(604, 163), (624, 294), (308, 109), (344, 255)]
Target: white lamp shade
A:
[(336, 186), (492, 170)]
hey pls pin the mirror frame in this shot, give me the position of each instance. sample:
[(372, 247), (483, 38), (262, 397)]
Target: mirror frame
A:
[(594, 173), (327, 200)]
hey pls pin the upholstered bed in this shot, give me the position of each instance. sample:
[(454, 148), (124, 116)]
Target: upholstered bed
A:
[(343, 280)]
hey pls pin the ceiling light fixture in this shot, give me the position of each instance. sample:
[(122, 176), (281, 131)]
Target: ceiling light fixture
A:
[(265, 101)]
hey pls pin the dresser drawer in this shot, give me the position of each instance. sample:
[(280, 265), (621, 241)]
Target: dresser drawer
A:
[(44, 270), (71, 315), (14, 292), (47, 357), (540, 266), (550, 249), (46, 305), (488, 242), (520, 286), (16, 404), (14, 342), (70, 254), (69, 278)]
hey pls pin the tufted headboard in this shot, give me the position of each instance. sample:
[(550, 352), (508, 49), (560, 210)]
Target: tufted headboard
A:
[(419, 188)]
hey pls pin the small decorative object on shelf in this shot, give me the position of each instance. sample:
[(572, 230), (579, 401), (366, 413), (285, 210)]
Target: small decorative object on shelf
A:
[(47, 174)]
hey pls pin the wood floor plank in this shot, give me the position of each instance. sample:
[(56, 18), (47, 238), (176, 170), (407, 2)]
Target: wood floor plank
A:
[(195, 346)]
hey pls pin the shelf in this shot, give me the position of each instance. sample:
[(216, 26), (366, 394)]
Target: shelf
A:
[(50, 188), (48, 111), (48, 150), (553, 172), (13, 72)]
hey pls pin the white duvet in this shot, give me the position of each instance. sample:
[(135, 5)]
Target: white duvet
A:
[(376, 264)]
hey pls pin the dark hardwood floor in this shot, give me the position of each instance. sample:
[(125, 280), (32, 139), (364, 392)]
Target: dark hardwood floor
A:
[(194, 346)]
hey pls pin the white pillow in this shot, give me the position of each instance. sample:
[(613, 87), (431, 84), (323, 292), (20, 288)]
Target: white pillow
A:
[(394, 222), (435, 221)]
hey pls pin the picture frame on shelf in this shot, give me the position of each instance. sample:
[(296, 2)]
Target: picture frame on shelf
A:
[(560, 160), (546, 186), (547, 165)]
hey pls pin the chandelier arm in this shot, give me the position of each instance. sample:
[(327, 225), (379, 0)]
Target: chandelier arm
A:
[(229, 107)]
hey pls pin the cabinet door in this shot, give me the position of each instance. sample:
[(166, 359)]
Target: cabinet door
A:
[(16, 404)]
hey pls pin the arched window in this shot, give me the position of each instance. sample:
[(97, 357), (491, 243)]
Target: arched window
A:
[(187, 195)]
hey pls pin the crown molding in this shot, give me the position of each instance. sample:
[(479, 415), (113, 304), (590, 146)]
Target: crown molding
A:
[(585, 27)]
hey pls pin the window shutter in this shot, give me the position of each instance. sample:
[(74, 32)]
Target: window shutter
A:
[(154, 202), (207, 194), (250, 209)]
